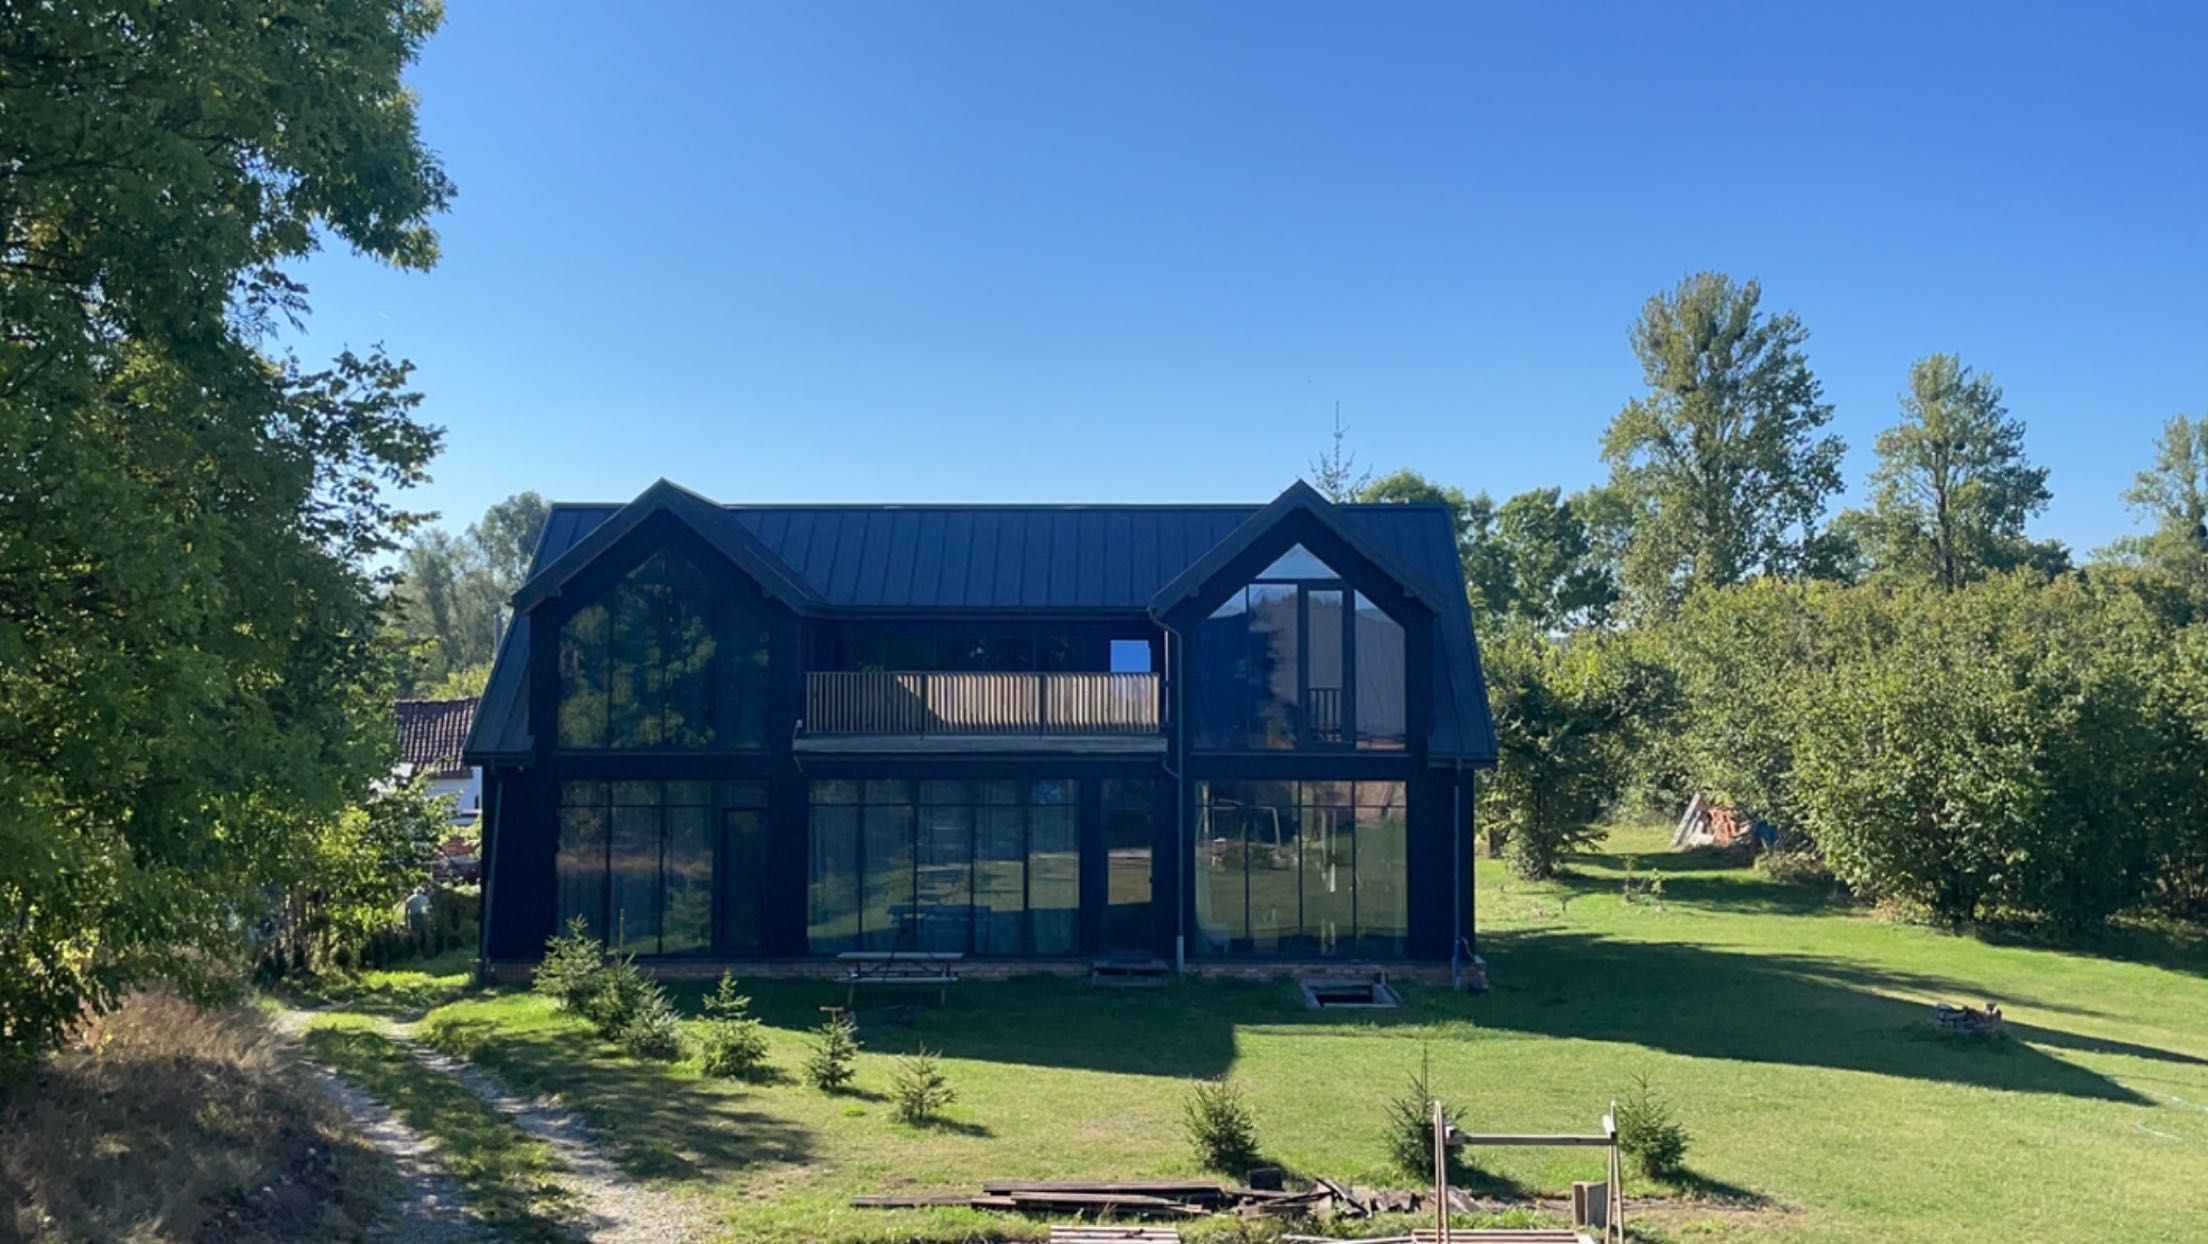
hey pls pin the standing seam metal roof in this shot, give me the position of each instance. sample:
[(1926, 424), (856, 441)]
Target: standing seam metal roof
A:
[(1012, 557)]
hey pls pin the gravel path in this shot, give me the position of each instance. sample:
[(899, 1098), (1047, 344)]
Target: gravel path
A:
[(615, 1209), (431, 1207)]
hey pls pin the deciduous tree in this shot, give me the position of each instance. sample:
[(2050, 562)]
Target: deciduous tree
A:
[(1723, 464), (1952, 489), (190, 677)]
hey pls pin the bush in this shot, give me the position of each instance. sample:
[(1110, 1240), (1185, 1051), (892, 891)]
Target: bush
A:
[(919, 1090), (1220, 1127), (620, 993), (835, 1054), (1410, 1122), (1793, 866), (1647, 1132), (573, 964), (652, 1029), (733, 1042)]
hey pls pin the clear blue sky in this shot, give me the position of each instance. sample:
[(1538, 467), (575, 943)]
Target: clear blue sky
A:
[(957, 251)]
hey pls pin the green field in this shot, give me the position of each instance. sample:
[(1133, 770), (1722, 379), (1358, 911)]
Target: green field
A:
[(1788, 1027)]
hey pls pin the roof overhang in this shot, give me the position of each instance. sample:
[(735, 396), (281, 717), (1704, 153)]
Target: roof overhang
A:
[(1300, 499), (709, 521)]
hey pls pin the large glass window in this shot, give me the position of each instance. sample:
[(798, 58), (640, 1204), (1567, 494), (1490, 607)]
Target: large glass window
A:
[(979, 867), (669, 657), (1295, 660), (636, 862), (1301, 868), (1130, 811)]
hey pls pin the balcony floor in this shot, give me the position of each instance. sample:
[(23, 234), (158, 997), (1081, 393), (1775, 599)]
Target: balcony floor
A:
[(983, 744)]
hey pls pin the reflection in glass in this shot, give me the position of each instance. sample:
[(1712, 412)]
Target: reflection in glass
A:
[(1302, 868), (832, 879), (1129, 807), (992, 867), (668, 657), (1381, 686), (634, 919), (581, 864), (686, 913)]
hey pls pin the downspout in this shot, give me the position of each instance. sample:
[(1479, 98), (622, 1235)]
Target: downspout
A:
[(1177, 769), (1456, 878), (497, 797)]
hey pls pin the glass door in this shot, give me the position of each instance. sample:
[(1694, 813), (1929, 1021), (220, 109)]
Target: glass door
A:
[(1129, 808), (743, 876)]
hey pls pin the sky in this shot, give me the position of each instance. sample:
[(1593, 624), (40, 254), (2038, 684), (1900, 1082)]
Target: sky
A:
[(1061, 252)]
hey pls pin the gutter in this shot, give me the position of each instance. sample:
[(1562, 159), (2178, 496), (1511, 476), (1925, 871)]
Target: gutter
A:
[(1176, 654)]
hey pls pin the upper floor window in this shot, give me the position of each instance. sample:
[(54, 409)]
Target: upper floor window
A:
[(669, 657), (1295, 659)]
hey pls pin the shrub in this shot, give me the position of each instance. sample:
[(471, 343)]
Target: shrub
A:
[(619, 993), (835, 1054), (919, 1090), (572, 967), (1648, 1133), (1793, 866), (1219, 1126), (733, 1042), (651, 1029), (1410, 1122)]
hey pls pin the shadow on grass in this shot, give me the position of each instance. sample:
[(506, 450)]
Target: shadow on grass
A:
[(1767, 1008), (1779, 1009), (1692, 1183), (2178, 948), (952, 1127), (659, 1126)]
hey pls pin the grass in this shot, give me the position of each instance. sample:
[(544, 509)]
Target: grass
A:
[(167, 1121), (1787, 1027), (507, 1175), (397, 993)]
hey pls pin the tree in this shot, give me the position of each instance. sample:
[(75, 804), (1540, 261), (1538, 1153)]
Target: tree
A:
[(1557, 577), (1952, 489), (1722, 463), (1334, 473), (453, 592), (1568, 716), (2172, 495), (190, 677), (506, 537)]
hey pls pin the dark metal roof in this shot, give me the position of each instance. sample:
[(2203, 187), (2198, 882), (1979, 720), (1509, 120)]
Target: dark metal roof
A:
[(1034, 558)]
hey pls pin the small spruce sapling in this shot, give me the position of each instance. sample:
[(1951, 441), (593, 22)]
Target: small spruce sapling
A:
[(919, 1090), (833, 1060), (733, 1043)]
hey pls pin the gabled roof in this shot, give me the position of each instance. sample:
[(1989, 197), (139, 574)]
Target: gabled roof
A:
[(432, 733), (1010, 561), (701, 515), (1297, 498)]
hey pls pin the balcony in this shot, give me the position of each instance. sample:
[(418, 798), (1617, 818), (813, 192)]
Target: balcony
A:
[(929, 711)]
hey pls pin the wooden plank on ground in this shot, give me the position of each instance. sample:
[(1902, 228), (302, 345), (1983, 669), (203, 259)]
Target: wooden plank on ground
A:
[(1109, 1234)]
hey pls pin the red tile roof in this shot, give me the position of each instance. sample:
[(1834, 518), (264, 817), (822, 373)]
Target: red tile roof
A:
[(432, 732)]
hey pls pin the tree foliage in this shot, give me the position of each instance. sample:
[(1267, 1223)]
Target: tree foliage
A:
[(1723, 464), (1568, 716), (1952, 489), (453, 592), (190, 681)]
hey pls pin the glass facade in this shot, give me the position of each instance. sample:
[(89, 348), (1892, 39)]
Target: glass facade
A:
[(669, 657), (1295, 660), (1301, 869), (637, 861), (980, 867)]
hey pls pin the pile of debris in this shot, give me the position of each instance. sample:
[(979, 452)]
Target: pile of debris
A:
[(1172, 1198)]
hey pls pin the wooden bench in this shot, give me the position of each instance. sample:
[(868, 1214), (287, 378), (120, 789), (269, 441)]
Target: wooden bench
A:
[(937, 969)]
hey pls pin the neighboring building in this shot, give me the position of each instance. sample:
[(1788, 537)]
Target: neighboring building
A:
[(1045, 732), (432, 734)]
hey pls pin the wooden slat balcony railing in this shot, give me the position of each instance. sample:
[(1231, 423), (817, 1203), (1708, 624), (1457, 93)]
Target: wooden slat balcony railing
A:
[(900, 702)]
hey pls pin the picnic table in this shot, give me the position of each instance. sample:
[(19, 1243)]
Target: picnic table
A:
[(935, 968)]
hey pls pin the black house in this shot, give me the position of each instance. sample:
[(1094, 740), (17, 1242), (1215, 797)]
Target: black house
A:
[(1193, 733)]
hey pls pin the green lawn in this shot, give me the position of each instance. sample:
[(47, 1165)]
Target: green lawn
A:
[(1788, 1029)]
